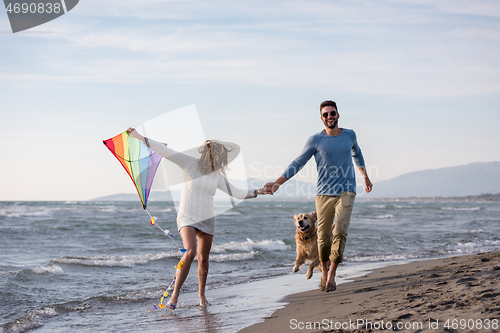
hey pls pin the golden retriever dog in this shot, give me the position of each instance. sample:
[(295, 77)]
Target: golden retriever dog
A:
[(306, 241)]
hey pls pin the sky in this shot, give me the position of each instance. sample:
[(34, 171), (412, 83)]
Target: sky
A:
[(418, 81)]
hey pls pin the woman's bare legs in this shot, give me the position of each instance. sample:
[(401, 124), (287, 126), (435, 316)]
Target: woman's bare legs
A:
[(188, 235), (204, 246)]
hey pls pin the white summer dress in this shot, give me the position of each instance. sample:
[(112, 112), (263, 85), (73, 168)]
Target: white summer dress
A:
[(196, 207)]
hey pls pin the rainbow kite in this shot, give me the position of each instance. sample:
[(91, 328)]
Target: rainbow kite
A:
[(141, 164), (139, 161)]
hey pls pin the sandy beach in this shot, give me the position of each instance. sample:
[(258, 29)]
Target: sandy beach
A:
[(457, 294)]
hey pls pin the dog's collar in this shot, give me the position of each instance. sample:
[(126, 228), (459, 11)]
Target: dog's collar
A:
[(307, 238)]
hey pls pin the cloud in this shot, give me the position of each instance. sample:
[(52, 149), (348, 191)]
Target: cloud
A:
[(485, 8), (411, 47)]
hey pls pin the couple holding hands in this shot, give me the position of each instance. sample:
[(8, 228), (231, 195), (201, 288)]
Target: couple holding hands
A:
[(334, 149)]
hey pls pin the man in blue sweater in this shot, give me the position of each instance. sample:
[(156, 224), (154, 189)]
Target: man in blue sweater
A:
[(334, 149)]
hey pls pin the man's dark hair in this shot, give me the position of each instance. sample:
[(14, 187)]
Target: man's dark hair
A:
[(328, 103)]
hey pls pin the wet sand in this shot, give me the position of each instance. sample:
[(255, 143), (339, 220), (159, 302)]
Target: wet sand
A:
[(458, 294)]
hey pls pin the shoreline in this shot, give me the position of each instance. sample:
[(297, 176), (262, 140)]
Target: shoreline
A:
[(460, 294)]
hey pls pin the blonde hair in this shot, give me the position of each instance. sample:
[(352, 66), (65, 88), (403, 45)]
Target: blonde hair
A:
[(214, 156)]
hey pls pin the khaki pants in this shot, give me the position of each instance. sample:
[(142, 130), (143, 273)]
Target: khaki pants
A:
[(329, 209)]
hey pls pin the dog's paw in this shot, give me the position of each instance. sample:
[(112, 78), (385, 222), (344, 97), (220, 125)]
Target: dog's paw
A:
[(309, 274), (295, 269)]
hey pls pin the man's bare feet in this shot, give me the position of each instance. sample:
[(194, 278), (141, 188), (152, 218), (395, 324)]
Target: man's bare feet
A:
[(331, 287), (324, 277), (330, 283), (322, 285)]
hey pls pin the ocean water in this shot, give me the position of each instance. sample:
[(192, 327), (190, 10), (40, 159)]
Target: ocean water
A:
[(101, 267)]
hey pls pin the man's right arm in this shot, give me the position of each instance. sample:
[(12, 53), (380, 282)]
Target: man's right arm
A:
[(294, 167)]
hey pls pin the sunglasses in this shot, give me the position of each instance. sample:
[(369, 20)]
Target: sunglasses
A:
[(332, 113)]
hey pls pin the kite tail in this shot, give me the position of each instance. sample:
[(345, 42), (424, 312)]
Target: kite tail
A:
[(178, 267)]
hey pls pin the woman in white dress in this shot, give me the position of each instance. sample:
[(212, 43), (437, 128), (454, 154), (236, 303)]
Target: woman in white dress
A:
[(195, 219)]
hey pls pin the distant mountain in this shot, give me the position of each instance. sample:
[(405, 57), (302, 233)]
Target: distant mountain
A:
[(291, 190), (462, 180), (154, 196)]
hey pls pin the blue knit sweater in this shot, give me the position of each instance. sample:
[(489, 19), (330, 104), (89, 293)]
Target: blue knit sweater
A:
[(333, 155)]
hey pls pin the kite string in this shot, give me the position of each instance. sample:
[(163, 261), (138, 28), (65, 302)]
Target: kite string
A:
[(178, 267), (166, 232)]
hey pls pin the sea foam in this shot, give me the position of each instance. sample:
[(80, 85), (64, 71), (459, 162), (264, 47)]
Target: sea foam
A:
[(54, 269), (461, 208), (112, 261), (250, 245), (233, 256)]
